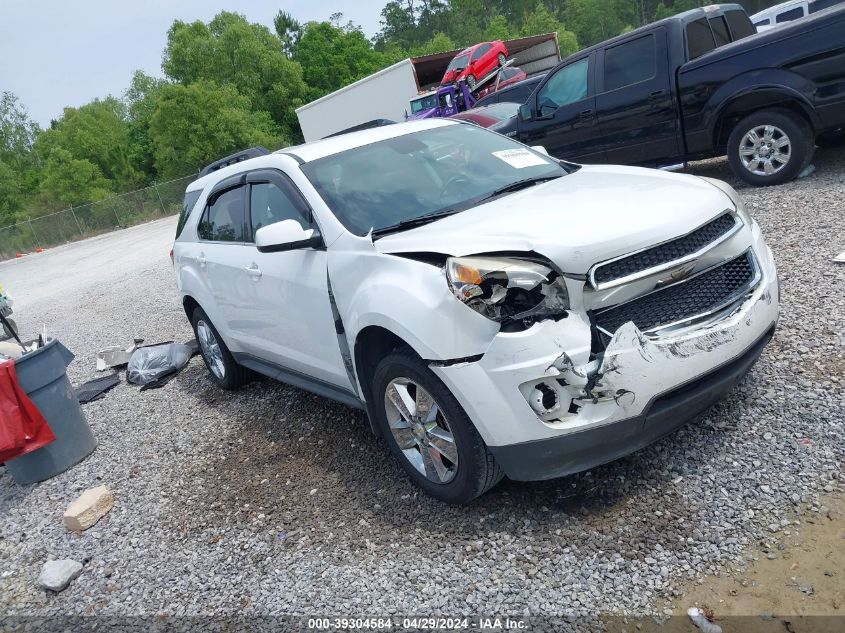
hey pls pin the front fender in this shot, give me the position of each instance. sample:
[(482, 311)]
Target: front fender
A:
[(407, 297)]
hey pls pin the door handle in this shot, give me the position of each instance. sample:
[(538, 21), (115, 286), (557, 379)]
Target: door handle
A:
[(253, 271), (657, 94), (586, 114)]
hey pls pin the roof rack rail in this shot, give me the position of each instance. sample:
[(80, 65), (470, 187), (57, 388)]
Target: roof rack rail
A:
[(363, 126), (237, 157)]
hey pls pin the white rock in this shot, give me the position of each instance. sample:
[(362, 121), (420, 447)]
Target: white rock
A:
[(88, 508), (57, 574)]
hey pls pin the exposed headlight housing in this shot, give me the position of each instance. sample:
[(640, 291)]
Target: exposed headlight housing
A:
[(508, 290)]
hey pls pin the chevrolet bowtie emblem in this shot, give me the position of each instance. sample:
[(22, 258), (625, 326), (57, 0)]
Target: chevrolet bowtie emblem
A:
[(676, 275)]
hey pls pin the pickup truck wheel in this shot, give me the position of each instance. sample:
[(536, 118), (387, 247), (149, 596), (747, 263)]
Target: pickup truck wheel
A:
[(472, 82), (429, 432), (219, 360), (770, 147)]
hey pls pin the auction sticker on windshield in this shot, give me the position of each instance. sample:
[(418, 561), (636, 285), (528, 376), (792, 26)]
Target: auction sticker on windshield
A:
[(520, 158)]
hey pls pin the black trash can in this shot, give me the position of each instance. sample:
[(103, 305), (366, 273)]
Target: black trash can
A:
[(41, 374)]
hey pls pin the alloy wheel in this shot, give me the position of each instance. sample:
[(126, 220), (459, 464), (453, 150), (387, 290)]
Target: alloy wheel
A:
[(421, 430), (765, 150), (211, 349)]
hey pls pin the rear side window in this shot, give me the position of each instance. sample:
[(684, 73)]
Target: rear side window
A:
[(567, 85), (191, 198), (699, 38), (740, 25), (720, 30), (762, 22), (788, 16), (630, 63), (223, 220)]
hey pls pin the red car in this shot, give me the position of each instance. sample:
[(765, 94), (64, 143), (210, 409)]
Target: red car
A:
[(475, 63)]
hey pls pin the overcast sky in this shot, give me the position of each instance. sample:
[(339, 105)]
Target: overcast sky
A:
[(55, 53)]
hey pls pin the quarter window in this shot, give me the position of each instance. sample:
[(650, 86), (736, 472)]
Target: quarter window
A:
[(739, 24), (699, 38), (788, 16), (630, 63), (820, 5), (268, 204), (223, 220), (191, 198), (566, 86)]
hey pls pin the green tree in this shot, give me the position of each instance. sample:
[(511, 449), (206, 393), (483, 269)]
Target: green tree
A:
[(541, 20), (97, 132), (289, 31), (196, 124), (141, 99), (17, 131), (333, 57), (467, 21), (675, 7), (498, 29), (10, 195), (231, 51), (68, 180), (398, 25), (593, 21), (440, 43)]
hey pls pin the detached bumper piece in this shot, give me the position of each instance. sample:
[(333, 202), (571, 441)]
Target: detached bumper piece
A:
[(579, 451)]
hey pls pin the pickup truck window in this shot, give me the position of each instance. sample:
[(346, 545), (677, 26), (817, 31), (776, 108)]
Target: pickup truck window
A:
[(788, 16), (740, 25), (720, 30), (567, 85), (699, 38), (820, 5), (630, 63), (762, 22)]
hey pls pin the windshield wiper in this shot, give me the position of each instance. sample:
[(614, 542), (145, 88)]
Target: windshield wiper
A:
[(412, 222), (516, 186)]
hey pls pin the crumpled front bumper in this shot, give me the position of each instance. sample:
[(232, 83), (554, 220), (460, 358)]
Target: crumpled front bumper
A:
[(639, 390)]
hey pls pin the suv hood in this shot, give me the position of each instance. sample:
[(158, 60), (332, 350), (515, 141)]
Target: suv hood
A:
[(596, 213)]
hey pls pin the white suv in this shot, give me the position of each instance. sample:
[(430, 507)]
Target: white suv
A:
[(495, 311)]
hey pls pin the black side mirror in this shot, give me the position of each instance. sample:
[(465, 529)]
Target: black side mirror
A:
[(525, 113)]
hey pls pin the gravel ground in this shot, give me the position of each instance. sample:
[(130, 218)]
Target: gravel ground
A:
[(273, 500)]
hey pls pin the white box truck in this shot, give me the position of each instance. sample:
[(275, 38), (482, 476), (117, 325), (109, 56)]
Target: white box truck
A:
[(386, 94)]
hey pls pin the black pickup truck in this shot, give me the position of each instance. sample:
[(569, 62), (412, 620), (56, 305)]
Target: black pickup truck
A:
[(698, 85)]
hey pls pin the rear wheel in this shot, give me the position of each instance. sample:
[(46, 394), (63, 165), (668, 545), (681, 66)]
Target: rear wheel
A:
[(502, 59), (472, 82), (770, 147), (429, 432), (219, 360)]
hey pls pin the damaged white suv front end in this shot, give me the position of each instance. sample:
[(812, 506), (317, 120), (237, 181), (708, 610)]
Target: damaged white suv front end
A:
[(498, 312)]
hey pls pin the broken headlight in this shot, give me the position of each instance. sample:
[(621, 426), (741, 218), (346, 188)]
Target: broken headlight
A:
[(507, 289)]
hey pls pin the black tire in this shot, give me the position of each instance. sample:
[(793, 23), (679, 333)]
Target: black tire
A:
[(476, 470), (800, 143), (502, 59), (233, 375), (472, 82), (10, 333), (831, 140)]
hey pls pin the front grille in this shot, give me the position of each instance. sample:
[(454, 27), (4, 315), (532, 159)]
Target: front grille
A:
[(666, 252), (706, 292)]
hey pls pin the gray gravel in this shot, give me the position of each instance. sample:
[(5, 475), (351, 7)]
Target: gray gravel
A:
[(273, 500)]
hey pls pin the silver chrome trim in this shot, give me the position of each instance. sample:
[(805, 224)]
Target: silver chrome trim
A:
[(591, 276), (695, 319)]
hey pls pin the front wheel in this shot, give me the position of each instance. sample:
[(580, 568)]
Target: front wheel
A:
[(10, 333), (770, 147), (429, 432), (472, 82)]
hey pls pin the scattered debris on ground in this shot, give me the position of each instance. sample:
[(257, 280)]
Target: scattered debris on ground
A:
[(88, 508), (58, 574)]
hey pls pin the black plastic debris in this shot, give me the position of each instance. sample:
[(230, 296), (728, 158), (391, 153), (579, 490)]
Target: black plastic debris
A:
[(96, 389)]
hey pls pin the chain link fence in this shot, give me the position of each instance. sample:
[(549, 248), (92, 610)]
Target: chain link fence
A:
[(75, 223)]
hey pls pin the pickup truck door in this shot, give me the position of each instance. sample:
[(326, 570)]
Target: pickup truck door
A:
[(635, 103), (563, 114)]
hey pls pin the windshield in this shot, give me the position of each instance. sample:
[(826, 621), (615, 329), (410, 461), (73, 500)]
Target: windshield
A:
[(398, 179), (426, 103), (459, 62)]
